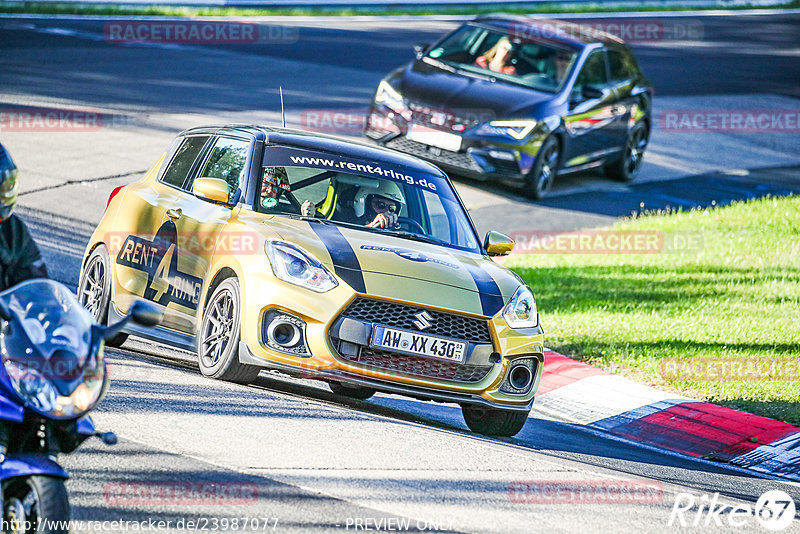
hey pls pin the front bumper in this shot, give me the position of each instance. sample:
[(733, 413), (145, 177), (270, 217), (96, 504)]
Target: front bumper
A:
[(246, 356), (482, 383), (478, 158)]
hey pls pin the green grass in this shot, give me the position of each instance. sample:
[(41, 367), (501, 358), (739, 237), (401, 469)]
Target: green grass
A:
[(734, 299), (48, 8)]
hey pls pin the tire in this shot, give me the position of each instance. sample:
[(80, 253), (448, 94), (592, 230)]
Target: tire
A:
[(626, 168), (50, 504), (492, 421), (543, 173), (219, 335), (94, 290), (353, 392)]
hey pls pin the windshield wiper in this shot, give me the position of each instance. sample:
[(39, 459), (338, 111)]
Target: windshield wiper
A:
[(414, 237), (439, 63), (480, 76)]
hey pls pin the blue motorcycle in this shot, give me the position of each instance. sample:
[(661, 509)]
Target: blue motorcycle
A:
[(53, 374)]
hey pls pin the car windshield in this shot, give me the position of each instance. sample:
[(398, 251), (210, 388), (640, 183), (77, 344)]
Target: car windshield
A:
[(519, 59), (425, 205)]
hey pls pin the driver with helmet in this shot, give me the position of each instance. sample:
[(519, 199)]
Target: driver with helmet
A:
[(378, 205), (375, 203), (20, 258)]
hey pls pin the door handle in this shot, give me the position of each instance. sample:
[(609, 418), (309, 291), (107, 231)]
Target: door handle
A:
[(174, 213)]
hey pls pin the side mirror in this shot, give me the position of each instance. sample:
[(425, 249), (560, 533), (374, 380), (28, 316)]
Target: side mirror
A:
[(145, 313), (141, 312), (420, 49), (497, 244), (214, 189), (592, 92)]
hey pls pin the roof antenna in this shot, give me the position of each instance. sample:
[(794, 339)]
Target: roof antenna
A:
[(283, 114)]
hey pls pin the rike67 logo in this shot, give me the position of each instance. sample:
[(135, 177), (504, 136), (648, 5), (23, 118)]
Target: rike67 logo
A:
[(775, 510)]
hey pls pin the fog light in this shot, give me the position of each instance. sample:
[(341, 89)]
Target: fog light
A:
[(285, 333), (520, 377)]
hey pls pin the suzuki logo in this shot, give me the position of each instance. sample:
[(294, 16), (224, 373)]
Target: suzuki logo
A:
[(423, 321)]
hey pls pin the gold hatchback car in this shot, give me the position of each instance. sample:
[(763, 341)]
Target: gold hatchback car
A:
[(321, 258)]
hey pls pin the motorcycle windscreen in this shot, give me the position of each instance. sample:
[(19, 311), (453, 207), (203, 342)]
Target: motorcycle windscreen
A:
[(47, 350)]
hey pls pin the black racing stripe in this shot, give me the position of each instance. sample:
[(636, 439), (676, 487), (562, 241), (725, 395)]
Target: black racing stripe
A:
[(345, 261), (491, 298)]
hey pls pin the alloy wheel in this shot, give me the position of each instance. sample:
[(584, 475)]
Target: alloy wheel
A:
[(218, 329), (548, 169), (636, 148), (92, 290)]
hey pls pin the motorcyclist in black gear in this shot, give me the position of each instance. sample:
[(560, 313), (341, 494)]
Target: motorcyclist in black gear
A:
[(20, 258)]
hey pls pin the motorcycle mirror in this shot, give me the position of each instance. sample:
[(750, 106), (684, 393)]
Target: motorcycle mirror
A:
[(145, 313), (109, 438)]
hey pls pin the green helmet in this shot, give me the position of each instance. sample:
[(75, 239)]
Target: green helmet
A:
[(8, 184)]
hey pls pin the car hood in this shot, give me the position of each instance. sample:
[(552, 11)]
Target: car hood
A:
[(396, 268), (463, 94)]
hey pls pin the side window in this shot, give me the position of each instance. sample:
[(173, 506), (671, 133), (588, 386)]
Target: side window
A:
[(620, 66), (593, 71), (183, 160), (227, 162)]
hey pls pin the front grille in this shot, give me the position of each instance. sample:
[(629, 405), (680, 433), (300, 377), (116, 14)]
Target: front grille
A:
[(417, 366), (402, 316), (459, 160), (447, 119), (502, 166)]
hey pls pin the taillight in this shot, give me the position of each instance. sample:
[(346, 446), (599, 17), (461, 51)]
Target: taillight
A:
[(113, 194)]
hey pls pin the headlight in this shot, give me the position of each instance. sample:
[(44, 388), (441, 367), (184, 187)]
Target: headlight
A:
[(41, 395), (517, 129), (292, 264), (520, 312), (389, 97)]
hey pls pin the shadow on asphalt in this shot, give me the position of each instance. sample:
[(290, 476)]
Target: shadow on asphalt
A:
[(543, 435)]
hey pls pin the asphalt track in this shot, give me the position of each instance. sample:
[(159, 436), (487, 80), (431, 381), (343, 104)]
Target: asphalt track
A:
[(317, 462)]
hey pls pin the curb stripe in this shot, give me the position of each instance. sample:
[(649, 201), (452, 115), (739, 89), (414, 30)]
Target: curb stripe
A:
[(620, 407), (560, 371), (345, 261), (491, 297)]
